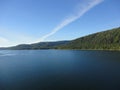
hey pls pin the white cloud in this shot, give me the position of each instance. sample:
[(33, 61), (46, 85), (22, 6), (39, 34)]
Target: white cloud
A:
[(13, 37), (3, 42), (82, 8)]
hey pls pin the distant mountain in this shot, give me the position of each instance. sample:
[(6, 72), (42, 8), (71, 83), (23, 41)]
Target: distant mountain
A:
[(106, 40), (40, 45)]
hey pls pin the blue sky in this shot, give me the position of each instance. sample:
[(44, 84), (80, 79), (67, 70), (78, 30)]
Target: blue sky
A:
[(27, 21)]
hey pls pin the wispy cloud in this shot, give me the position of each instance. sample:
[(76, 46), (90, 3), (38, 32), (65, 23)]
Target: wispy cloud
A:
[(3, 41), (14, 38), (82, 8), (11, 37)]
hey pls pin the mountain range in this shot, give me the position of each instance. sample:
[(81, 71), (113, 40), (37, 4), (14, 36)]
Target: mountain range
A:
[(105, 40)]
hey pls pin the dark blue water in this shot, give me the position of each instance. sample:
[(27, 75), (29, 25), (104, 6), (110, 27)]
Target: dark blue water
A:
[(59, 70)]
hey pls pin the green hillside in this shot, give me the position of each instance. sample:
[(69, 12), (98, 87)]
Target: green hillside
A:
[(106, 40)]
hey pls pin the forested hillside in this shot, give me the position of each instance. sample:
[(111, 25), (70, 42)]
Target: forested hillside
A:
[(109, 39), (106, 40)]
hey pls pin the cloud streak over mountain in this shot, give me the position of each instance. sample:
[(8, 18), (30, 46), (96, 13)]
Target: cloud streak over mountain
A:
[(83, 7)]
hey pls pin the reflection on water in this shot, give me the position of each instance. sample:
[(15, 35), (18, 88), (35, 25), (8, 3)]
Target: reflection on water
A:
[(59, 70), (6, 53)]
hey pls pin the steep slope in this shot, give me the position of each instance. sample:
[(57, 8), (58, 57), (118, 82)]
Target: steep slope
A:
[(109, 40)]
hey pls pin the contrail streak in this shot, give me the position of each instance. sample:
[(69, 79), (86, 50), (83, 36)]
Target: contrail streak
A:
[(82, 9)]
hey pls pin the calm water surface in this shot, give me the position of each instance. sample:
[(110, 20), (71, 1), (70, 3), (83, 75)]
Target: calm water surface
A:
[(59, 70)]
